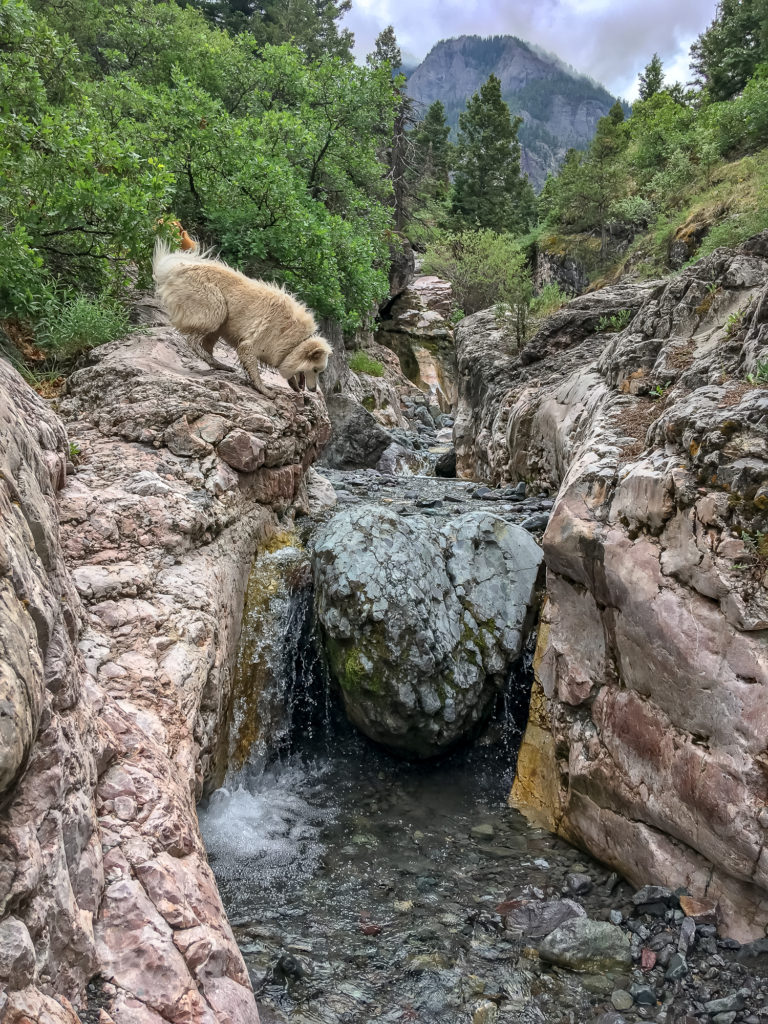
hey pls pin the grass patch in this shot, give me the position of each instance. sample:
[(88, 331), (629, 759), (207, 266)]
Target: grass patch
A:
[(80, 324), (361, 362)]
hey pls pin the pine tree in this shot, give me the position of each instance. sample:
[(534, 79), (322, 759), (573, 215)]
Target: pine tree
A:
[(488, 187), (386, 50), (398, 155), (652, 79), (604, 171), (432, 154), (726, 55)]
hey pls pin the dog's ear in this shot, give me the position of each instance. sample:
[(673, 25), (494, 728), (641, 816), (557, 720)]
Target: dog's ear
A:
[(318, 350)]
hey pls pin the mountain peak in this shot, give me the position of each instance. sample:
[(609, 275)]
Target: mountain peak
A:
[(560, 107)]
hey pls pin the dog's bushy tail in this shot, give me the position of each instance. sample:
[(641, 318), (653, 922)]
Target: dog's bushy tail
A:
[(165, 260)]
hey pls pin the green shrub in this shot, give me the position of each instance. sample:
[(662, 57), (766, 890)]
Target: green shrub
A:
[(80, 324), (634, 210), (484, 269), (548, 301), (760, 376), (615, 323), (361, 362)]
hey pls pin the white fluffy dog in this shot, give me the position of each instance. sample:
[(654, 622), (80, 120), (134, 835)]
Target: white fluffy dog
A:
[(207, 300)]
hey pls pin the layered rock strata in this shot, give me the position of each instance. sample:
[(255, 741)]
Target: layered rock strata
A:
[(122, 585), (417, 327), (647, 737)]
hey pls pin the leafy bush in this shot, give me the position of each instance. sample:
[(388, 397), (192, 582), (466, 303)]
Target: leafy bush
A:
[(361, 362), (548, 301), (760, 376), (615, 323), (115, 118), (80, 324), (634, 210), (484, 269)]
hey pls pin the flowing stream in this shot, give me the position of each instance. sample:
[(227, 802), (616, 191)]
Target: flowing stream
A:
[(361, 888)]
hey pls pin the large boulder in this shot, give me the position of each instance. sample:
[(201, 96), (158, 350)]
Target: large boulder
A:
[(357, 439), (421, 623)]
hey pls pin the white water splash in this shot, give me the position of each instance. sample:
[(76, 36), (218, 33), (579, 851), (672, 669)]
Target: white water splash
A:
[(268, 830)]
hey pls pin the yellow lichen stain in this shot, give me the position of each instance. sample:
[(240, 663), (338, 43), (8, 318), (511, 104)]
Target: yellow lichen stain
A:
[(251, 674), (694, 448), (536, 789)]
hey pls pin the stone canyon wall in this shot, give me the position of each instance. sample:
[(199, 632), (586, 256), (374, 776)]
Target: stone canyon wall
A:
[(648, 737), (121, 590)]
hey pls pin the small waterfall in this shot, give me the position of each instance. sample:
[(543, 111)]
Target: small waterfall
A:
[(264, 811)]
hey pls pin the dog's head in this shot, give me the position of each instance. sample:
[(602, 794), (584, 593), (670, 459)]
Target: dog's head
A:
[(312, 357)]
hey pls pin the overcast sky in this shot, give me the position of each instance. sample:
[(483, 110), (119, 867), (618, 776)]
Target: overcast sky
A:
[(611, 40)]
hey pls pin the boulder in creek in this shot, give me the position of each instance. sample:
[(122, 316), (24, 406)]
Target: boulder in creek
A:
[(357, 440), (581, 944), (421, 623)]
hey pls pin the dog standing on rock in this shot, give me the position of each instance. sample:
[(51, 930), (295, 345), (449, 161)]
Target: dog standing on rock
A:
[(207, 300)]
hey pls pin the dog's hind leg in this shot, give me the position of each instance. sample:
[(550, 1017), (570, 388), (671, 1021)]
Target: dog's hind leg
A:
[(250, 362), (207, 345)]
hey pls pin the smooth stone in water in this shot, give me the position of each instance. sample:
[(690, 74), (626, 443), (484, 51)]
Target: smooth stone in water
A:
[(643, 995), (622, 1000), (585, 945)]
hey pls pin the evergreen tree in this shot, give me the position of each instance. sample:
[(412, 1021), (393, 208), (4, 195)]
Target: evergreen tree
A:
[(726, 55), (652, 78), (604, 171), (489, 188), (386, 50), (398, 156), (432, 153)]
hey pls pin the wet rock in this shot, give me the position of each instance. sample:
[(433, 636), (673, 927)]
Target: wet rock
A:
[(446, 464), (585, 945), (654, 900), (421, 622), (357, 440), (536, 522), (643, 995), (577, 884), (621, 999), (726, 1004), (535, 919), (687, 934), (677, 967)]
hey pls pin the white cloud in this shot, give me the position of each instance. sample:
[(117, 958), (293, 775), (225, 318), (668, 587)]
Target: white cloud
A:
[(610, 41)]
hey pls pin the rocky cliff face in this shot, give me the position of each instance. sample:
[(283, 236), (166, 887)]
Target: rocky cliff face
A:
[(647, 738), (122, 586), (560, 108)]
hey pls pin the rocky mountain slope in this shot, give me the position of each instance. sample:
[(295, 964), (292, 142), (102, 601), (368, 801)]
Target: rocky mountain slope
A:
[(647, 737), (559, 107)]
